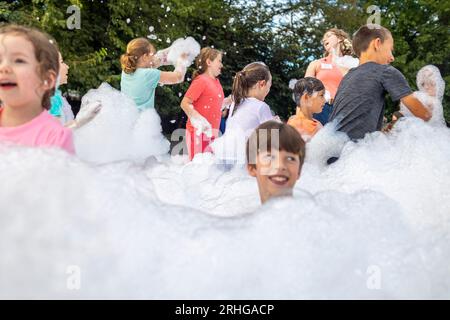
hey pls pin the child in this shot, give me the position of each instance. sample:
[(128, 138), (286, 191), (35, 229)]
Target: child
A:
[(248, 111), (275, 155), (60, 107), (62, 110), (29, 67), (250, 88), (359, 103), (140, 76), (309, 95), (203, 102), (431, 92)]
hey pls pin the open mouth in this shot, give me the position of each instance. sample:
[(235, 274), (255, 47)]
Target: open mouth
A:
[(279, 180), (7, 84)]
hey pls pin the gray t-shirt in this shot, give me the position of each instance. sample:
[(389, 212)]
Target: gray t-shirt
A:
[(359, 102)]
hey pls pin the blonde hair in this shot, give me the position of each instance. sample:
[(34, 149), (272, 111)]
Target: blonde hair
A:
[(345, 44), (136, 48), (200, 62), (45, 51)]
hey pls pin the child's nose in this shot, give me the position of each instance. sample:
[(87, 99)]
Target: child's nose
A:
[(5, 67)]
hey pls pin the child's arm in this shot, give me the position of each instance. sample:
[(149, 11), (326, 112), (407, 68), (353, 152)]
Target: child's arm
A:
[(416, 107), (227, 101), (177, 76), (85, 115), (197, 120)]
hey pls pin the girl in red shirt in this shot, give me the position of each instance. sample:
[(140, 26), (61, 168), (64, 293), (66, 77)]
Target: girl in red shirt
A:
[(203, 101)]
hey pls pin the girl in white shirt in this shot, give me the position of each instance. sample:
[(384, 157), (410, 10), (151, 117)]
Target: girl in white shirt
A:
[(251, 85)]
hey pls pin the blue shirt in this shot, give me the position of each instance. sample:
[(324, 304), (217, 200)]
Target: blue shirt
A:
[(140, 86)]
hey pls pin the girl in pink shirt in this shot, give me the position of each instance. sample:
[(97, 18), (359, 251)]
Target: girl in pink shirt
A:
[(29, 65)]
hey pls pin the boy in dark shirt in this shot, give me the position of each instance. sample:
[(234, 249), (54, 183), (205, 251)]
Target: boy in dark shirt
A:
[(359, 103)]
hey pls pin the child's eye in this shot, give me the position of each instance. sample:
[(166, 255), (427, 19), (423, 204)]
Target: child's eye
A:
[(19, 61)]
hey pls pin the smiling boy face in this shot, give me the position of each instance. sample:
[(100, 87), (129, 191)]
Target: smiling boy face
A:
[(276, 172)]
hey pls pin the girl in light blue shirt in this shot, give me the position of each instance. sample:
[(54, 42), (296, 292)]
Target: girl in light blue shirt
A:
[(140, 75)]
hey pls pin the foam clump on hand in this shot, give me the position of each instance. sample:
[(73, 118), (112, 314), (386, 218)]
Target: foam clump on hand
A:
[(201, 125), (347, 62), (431, 92), (181, 46)]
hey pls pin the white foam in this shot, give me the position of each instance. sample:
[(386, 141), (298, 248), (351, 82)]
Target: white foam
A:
[(171, 229), (180, 46), (119, 131)]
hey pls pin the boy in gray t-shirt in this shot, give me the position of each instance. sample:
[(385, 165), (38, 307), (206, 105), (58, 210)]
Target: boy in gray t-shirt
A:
[(359, 103)]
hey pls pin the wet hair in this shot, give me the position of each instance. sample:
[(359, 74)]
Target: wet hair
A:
[(200, 62), (246, 79), (367, 33), (45, 51), (136, 48), (307, 85), (345, 44), (261, 139)]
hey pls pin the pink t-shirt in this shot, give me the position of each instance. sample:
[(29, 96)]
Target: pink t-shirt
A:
[(42, 131)]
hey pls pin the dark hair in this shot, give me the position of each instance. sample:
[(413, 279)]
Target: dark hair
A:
[(136, 48), (246, 79), (45, 51), (367, 33), (307, 85), (200, 62), (289, 140), (345, 45)]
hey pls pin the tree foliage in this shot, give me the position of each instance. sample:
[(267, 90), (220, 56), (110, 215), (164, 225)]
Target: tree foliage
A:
[(284, 34)]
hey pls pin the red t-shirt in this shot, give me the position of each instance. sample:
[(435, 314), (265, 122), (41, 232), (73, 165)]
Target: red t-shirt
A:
[(207, 96)]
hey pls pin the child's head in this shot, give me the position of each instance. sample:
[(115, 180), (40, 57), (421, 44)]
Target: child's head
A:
[(375, 40), (275, 155), (29, 67), (254, 76), (429, 80), (208, 59), (140, 52), (336, 37), (63, 70), (309, 93)]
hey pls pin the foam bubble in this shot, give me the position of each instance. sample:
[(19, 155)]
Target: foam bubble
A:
[(373, 225)]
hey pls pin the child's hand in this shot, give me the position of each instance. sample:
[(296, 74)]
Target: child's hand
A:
[(183, 61), (201, 125), (87, 113), (161, 56)]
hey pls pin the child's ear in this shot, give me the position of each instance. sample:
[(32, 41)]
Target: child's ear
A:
[(304, 98), (251, 168), (50, 81), (376, 44)]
